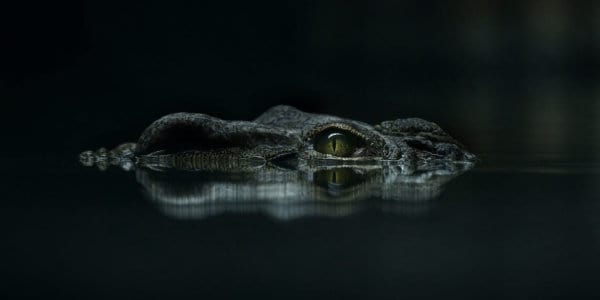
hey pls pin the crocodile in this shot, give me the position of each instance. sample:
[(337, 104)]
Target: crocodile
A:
[(288, 164), (286, 137)]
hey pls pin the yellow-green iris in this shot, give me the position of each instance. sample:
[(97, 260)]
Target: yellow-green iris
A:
[(336, 143)]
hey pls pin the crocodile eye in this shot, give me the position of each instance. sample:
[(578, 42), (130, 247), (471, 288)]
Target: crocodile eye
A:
[(336, 143)]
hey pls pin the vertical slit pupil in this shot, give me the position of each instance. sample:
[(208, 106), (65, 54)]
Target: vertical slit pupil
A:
[(336, 143)]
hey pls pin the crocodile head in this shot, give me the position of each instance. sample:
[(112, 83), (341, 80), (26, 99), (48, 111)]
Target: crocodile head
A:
[(284, 135)]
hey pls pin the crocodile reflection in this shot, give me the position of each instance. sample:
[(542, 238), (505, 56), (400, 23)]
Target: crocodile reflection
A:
[(289, 194), (287, 163)]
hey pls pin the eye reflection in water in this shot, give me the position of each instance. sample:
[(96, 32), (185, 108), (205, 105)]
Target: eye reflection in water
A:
[(338, 178), (289, 194)]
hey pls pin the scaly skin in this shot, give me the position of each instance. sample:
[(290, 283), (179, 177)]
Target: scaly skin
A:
[(194, 141)]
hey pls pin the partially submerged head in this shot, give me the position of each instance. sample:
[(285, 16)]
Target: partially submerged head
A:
[(286, 132)]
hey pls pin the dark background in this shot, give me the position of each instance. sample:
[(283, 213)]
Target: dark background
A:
[(517, 81), (85, 74)]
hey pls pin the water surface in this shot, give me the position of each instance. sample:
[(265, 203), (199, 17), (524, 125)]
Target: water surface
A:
[(519, 229)]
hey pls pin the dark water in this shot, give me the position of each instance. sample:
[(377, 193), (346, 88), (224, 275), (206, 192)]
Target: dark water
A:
[(516, 226)]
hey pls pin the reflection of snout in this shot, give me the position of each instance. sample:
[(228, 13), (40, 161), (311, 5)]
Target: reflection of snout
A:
[(286, 193)]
